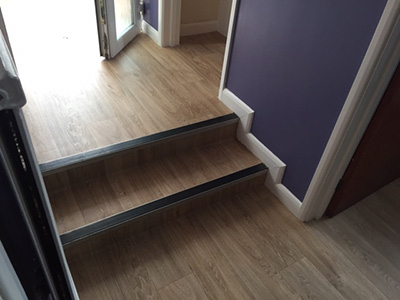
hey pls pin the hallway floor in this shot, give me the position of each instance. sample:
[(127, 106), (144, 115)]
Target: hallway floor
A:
[(251, 247), (78, 101), (144, 90)]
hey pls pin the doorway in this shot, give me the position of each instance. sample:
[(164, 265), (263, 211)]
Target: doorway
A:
[(49, 34), (376, 161), (199, 17), (78, 101)]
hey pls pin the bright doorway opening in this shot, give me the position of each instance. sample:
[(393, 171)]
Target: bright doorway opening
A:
[(78, 101), (51, 35)]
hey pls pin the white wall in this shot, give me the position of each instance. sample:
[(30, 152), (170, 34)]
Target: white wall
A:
[(205, 16), (224, 13), (195, 11)]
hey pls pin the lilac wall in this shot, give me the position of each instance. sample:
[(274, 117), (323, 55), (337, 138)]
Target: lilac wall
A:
[(293, 62), (151, 13)]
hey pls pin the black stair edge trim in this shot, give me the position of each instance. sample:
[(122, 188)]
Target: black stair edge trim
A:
[(93, 155), (137, 212)]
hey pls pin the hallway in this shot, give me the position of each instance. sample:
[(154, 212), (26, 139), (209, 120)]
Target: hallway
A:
[(249, 246), (78, 101)]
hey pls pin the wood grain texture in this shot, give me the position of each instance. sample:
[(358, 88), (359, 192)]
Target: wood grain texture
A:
[(117, 270), (78, 102), (186, 288), (63, 177), (94, 199), (163, 271), (213, 270), (308, 282), (331, 262), (164, 216), (221, 253), (248, 261)]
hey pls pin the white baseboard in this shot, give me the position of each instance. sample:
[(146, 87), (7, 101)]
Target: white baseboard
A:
[(198, 28), (284, 195), (151, 32), (244, 112), (275, 166)]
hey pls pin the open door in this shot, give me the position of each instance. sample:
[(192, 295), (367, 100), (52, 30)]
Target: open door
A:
[(118, 24), (376, 161)]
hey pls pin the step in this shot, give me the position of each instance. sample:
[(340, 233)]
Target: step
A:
[(165, 215), (99, 162), (183, 259), (98, 204)]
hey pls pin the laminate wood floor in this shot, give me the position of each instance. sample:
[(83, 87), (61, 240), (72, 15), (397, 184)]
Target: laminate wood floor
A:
[(79, 102), (98, 198), (251, 247)]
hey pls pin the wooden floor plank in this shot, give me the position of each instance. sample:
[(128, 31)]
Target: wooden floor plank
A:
[(384, 210), (390, 195), (374, 230), (213, 270), (145, 90), (88, 279), (105, 196), (72, 211), (280, 249), (74, 95), (308, 282), (322, 253), (186, 288), (251, 264), (119, 272), (221, 253), (380, 272), (164, 263)]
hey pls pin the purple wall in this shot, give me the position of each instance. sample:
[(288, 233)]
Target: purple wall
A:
[(293, 62), (151, 13)]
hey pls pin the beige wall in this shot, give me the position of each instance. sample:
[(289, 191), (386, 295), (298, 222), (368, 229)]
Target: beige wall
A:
[(194, 11)]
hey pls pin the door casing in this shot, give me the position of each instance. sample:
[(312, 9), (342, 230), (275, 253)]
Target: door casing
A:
[(375, 72)]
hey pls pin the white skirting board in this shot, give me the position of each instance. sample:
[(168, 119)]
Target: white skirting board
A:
[(275, 165), (151, 32), (198, 28)]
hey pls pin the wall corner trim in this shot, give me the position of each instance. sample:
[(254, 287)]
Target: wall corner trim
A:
[(374, 74), (275, 165), (169, 21), (198, 28), (151, 32)]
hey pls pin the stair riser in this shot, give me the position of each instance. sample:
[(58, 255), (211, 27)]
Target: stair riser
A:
[(61, 178), (162, 216)]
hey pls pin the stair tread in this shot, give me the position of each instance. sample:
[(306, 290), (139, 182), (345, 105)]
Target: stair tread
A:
[(93, 200), (110, 151), (157, 258)]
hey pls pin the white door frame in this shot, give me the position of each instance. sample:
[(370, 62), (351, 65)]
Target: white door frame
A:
[(169, 22), (110, 43), (374, 75), (376, 70)]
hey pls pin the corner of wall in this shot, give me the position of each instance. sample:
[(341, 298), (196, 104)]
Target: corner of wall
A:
[(198, 28), (275, 165), (151, 32), (169, 20)]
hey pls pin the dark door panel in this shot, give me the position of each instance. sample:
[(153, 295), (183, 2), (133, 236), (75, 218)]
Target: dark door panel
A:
[(377, 158)]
